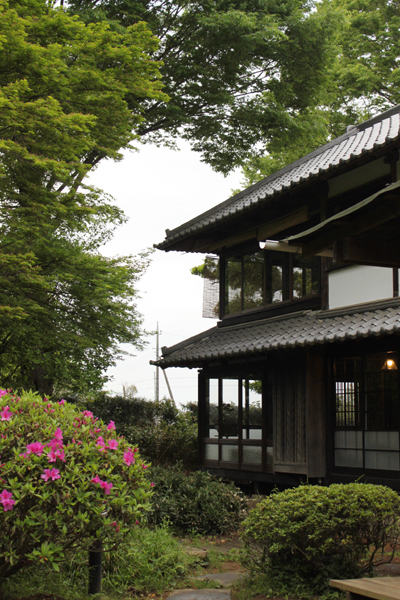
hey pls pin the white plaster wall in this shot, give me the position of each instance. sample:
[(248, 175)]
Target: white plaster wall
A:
[(358, 284)]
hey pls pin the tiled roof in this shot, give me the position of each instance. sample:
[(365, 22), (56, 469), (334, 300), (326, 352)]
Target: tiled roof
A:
[(291, 331), (361, 139)]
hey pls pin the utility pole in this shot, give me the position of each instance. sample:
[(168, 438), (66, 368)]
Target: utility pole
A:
[(157, 368)]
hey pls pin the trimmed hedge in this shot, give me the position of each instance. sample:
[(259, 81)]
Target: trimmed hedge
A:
[(302, 537)]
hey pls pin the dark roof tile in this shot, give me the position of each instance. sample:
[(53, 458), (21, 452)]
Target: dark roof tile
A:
[(363, 138), (291, 331)]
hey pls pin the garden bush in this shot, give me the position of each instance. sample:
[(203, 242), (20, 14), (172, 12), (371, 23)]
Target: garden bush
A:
[(164, 434), (147, 561), (196, 502), (302, 537), (66, 479)]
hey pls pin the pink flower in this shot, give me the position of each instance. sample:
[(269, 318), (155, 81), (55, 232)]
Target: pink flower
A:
[(152, 484), (51, 473), (96, 479), (6, 414), (54, 454), (145, 466), (58, 434), (111, 425), (100, 443), (3, 392), (106, 486), (129, 457), (87, 413), (62, 402), (35, 448), (6, 500), (55, 443), (112, 444)]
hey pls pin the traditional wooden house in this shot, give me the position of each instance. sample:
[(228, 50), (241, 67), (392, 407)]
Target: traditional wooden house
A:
[(299, 380)]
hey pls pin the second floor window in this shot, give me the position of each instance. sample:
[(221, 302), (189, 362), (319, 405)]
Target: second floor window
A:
[(268, 277)]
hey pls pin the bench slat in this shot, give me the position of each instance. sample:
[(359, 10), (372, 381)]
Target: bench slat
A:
[(379, 588)]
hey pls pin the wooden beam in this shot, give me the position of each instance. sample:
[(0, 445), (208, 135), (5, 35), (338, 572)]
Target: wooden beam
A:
[(260, 233), (367, 252), (383, 213), (267, 230)]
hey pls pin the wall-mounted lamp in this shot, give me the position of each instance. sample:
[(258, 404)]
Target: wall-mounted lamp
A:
[(389, 365)]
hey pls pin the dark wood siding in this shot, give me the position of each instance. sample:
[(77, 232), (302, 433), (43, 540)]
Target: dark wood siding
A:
[(289, 409)]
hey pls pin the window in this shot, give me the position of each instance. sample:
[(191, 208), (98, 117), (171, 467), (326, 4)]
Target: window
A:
[(264, 278), (234, 433), (367, 412)]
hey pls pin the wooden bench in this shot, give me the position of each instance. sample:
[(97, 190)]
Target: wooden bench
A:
[(379, 588)]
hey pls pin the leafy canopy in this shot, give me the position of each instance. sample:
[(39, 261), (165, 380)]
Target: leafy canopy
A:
[(231, 68), (64, 89)]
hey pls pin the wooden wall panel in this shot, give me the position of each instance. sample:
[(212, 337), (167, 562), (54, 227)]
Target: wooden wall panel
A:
[(289, 411)]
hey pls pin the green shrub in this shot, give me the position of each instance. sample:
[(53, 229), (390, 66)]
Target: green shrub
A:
[(196, 502), (150, 560), (66, 479), (164, 434), (304, 536)]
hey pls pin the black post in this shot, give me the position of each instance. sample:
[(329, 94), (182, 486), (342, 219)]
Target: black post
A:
[(95, 557)]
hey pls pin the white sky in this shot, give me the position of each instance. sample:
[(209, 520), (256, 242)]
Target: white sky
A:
[(159, 188)]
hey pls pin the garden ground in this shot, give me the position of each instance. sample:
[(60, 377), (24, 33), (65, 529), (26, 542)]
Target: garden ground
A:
[(214, 555)]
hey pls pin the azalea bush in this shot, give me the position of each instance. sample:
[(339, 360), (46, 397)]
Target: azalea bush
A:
[(302, 537), (66, 479)]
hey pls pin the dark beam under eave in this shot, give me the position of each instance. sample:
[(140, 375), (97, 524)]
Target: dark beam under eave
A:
[(367, 252)]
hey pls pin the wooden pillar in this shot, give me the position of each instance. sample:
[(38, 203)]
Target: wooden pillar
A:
[(315, 413)]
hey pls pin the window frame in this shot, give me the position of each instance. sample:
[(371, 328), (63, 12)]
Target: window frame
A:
[(246, 251), (359, 431)]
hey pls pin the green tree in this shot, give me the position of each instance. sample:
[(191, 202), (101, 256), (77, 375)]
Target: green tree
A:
[(233, 69), (361, 81), (63, 95)]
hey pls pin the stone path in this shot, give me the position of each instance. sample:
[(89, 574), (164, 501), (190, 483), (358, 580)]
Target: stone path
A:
[(224, 580)]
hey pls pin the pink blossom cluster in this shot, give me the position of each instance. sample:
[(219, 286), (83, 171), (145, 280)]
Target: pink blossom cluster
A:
[(104, 484), (52, 474), (5, 414), (129, 456), (106, 445), (6, 500)]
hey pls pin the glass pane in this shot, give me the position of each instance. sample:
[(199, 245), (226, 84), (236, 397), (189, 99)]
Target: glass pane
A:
[(253, 280), (252, 411), (230, 453), (233, 284), (277, 276), (382, 440), (211, 420), (210, 276), (305, 276), (211, 451), (382, 460), (252, 454), (230, 412), (349, 458), (349, 439), (381, 394), (270, 456)]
